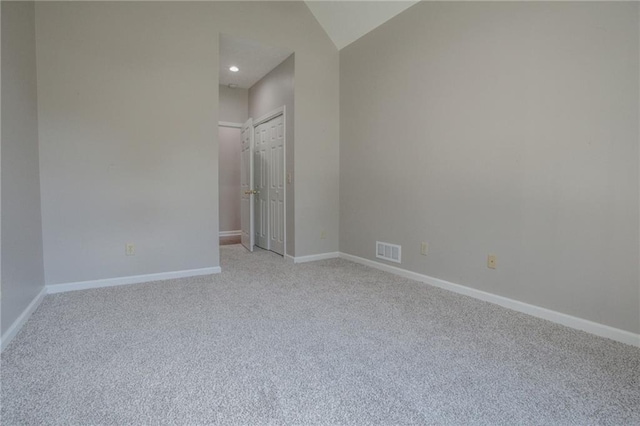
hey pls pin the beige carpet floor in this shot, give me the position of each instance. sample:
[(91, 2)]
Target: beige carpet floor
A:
[(329, 342)]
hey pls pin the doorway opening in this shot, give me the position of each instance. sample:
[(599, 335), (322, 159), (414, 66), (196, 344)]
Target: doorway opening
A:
[(256, 95)]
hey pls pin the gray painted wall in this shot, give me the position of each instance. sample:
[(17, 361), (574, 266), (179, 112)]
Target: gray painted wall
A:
[(230, 144), (273, 91), (128, 108), (22, 268), (233, 107), (504, 128), (233, 104)]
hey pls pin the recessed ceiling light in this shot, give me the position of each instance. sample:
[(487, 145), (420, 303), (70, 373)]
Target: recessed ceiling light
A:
[(234, 69), (232, 86)]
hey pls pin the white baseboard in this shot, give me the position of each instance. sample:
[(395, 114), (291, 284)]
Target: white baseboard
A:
[(83, 285), (135, 279), (567, 320), (230, 233), (536, 311), (314, 257), (12, 331)]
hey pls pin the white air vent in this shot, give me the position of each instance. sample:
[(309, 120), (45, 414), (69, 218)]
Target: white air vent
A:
[(390, 252)]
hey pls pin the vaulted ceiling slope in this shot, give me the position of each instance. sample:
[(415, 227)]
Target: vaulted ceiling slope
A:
[(253, 59), (347, 21)]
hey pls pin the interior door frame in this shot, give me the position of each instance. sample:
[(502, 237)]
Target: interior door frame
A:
[(260, 191), (230, 125), (261, 120), (250, 126)]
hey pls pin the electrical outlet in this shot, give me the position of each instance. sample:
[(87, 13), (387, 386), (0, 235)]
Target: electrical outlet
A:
[(130, 249), (323, 235), (492, 261), (289, 177), (424, 248)]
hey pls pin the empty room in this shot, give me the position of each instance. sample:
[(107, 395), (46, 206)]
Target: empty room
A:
[(320, 213)]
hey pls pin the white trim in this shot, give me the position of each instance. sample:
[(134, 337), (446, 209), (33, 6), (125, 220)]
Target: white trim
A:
[(567, 320), (230, 233), (281, 111), (536, 311), (284, 175), (13, 330), (269, 116), (314, 257), (229, 124), (248, 126), (135, 279)]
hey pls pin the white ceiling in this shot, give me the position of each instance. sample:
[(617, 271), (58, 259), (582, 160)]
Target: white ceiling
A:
[(347, 21), (254, 60), (343, 21)]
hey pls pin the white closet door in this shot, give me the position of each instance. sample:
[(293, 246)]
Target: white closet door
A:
[(246, 183), (275, 131), (261, 185)]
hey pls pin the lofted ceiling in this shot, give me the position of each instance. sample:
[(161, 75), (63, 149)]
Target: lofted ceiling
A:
[(347, 21), (343, 21), (253, 59)]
